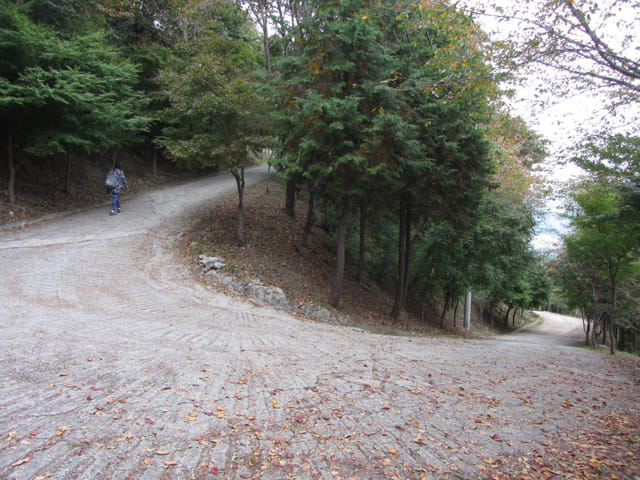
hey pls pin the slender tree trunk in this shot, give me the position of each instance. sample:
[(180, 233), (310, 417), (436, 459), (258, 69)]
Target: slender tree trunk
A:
[(455, 311), (154, 156), (265, 37), (238, 174), (407, 257), (445, 309), (403, 252), (310, 222), (11, 184), (67, 173), (338, 278), (363, 224), (290, 199), (612, 349), (506, 317), (587, 329)]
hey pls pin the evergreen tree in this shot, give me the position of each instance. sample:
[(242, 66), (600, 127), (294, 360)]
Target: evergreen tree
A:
[(61, 95)]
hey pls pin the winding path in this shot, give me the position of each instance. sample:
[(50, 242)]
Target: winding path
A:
[(114, 363)]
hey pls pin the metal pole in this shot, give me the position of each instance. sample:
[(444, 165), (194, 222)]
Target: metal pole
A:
[(467, 310)]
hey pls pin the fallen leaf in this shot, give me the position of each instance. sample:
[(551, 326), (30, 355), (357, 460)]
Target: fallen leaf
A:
[(26, 459)]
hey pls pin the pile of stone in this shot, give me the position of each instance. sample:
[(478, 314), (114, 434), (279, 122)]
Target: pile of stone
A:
[(213, 269)]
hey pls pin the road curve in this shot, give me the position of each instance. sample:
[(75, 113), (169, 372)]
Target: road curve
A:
[(551, 329), (116, 364)]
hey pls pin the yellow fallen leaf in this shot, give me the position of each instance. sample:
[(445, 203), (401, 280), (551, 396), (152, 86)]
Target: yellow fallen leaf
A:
[(162, 452), (26, 459), (170, 463)]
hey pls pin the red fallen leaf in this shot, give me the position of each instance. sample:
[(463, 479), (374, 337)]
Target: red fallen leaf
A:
[(95, 389), (300, 420), (34, 433), (399, 427), (26, 459), (208, 413), (149, 421), (496, 437), (89, 397), (214, 470)]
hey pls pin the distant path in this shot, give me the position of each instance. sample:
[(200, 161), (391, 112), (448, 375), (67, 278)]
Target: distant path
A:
[(116, 364), (552, 329)]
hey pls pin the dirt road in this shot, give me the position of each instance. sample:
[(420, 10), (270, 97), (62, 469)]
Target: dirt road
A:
[(551, 329), (115, 364)]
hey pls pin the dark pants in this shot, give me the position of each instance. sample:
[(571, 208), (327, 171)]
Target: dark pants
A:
[(115, 201)]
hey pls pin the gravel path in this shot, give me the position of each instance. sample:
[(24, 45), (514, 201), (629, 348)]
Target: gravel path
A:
[(114, 363)]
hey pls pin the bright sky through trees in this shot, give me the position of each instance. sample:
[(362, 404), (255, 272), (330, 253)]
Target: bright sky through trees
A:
[(566, 104)]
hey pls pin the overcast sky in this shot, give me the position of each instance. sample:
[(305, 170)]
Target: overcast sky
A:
[(562, 121)]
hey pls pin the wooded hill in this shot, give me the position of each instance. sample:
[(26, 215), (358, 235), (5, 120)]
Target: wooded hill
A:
[(389, 116)]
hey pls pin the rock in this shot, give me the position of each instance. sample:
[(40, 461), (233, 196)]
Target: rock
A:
[(238, 287), (215, 276), (256, 291), (211, 263), (269, 295), (276, 297), (323, 314)]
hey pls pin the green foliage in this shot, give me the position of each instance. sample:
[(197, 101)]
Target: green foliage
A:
[(61, 93), (215, 113), (601, 262)]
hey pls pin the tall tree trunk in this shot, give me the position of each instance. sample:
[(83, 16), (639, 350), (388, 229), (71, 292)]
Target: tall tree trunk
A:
[(407, 257), (67, 173), (363, 225), (445, 309), (586, 328), (338, 278), (612, 278), (238, 174), (310, 222), (455, 312), (290, 199), (154, 156), (265, 38), (403, 252), (506, 317), (11, 184)]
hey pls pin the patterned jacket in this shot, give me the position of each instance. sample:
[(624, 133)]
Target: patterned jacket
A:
[(121, 180)]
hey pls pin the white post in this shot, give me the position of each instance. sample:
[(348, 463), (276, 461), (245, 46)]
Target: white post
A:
[(467, 310)]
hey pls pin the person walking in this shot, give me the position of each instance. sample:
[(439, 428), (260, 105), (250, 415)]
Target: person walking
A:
[(121, 181)]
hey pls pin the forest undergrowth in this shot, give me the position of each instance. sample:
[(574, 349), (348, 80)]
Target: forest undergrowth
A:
[(274, 255)]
